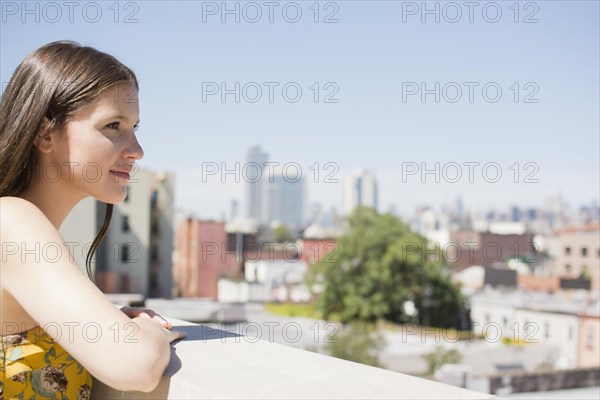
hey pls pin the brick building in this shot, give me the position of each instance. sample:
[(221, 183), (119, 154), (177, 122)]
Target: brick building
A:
[(467, 248), (201, 256), (579, 254)]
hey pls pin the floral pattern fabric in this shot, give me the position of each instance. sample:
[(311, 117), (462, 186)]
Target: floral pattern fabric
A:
[(33, 366)]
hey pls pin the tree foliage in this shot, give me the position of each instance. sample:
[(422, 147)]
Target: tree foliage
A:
[(283, 234), (358, 342), (380, 264), (441, 356)]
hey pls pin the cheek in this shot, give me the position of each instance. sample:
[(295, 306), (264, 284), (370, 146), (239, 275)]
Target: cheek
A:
[(87, 149), (90, 159)]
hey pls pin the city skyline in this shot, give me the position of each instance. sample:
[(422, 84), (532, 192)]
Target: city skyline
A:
[(381, 83), (235, 179)]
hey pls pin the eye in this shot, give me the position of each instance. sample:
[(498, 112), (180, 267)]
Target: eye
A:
[(113, 125)]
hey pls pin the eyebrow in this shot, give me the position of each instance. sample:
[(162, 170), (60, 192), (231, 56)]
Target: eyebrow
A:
[(122, 117)]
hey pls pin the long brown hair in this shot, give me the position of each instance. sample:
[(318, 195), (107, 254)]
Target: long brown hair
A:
[(54, 81)]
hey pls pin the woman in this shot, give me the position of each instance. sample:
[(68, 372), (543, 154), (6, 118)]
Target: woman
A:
[(67, 107)]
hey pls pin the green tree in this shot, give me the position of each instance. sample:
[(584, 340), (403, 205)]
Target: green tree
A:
[(358, 342), (440, 357), (283, 234), (380, 264)]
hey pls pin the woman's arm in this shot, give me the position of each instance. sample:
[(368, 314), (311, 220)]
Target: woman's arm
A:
[(124, 353)]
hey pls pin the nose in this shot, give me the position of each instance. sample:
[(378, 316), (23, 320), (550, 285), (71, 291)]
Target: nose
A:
[(133, 150)]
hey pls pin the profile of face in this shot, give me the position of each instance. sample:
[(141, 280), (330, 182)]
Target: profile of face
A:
[(94, 154)]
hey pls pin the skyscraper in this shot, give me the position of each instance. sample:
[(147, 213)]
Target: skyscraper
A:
[(360, 188), (254, 183), (283, 199)]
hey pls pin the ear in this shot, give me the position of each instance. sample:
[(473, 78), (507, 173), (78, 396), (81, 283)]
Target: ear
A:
[(43, 140)]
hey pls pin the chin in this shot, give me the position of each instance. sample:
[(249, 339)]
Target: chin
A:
[(112, 198)]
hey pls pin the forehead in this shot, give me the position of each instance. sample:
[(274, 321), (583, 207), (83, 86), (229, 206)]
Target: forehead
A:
[(119, 100)]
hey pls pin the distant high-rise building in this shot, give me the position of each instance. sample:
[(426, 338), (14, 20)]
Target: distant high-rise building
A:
[(255, 168), (459, 207), (515, 214), (531, 214), (360, 189), (283, 199), (234, 209), (555, 210), (316, 216), (330, 217)]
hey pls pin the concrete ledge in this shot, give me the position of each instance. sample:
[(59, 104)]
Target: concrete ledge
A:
[(197, 310), (214, 364)]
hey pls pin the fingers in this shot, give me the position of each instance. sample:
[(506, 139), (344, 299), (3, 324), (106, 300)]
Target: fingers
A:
[(146, 313), (177, 335), (156, 316), (152, 315), (163, 321)]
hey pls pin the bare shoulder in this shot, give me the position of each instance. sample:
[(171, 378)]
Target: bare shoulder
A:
[(11, 204), (16, 213), (22, 220)]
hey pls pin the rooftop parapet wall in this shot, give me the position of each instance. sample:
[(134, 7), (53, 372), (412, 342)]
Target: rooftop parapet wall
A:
[(212, 363)]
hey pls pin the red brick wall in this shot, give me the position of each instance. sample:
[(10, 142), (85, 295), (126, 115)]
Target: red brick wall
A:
[(491, 249), (313, 250), (202, 258)]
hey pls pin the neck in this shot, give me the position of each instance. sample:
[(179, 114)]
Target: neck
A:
[(54, 199)]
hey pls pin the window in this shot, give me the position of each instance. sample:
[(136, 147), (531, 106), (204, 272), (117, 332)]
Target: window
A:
[(570, 332), (567, 251), (154, 253), (231, 242), (568, 267), (125, 224), (125, 252), (584, 252), (590, 337), (154, 199), (153, 280)]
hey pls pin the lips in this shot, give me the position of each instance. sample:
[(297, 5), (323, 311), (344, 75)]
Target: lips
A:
[(123, 174)]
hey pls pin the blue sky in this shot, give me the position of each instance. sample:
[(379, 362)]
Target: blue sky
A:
[(370, 57)]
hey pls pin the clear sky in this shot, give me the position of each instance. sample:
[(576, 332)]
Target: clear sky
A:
[(374, 58)]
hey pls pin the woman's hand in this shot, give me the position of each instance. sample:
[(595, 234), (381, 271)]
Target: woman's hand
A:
[(133, 312), (136, 312)]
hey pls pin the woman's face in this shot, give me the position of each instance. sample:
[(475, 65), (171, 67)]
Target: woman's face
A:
[(98, 147)]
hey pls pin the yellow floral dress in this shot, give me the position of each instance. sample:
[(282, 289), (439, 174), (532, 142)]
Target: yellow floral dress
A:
[(33, 366)]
